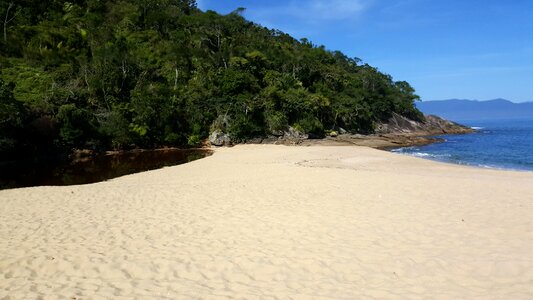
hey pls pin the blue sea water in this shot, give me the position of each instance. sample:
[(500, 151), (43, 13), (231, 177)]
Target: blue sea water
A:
[(499, 144)]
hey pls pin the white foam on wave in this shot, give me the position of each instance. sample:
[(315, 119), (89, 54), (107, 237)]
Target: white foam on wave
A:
[(404, 150), (413, 152), (421, 154), (477, 128)]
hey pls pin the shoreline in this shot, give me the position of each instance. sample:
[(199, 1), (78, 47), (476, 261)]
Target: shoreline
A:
[(46, 167), (81, 162), (275, 221), (480, 167)]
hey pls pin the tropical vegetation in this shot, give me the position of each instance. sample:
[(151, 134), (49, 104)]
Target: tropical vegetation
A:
[(119, 74)]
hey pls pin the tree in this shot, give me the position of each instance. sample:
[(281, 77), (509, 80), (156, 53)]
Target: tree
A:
[(78, 125), (10, 14)]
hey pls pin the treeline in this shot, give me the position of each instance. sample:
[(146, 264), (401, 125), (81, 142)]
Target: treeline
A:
[(111, 74)]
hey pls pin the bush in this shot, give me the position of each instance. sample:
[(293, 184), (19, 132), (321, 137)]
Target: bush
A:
[(194, 140), (243, 127), (276, 121), (310, 124), (221, 123), (116, 128)]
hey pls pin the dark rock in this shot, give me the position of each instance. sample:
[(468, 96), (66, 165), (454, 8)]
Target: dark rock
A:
[(314, 136), (257, 140)]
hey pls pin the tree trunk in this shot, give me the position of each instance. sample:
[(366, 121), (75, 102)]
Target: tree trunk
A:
[(6, 21), (176, 79)]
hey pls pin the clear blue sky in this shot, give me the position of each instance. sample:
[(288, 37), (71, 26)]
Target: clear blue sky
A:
[(468, 49)]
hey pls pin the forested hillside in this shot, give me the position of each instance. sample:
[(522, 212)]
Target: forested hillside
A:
[(110, 74)]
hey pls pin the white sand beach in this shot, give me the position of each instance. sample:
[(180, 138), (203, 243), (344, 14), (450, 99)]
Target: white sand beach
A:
[(266, 221)]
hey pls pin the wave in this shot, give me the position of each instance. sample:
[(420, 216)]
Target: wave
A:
[(431, 155), (477, 128), (454, 159), (411, 151), (421, 154), (405, 149)]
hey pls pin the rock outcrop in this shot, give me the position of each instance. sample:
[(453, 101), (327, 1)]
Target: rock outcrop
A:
[(438, 125), (433, 125), (398, 132)]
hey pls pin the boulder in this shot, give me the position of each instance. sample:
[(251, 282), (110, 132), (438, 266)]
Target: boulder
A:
[(294, 134), (219, 138), (277, 132)]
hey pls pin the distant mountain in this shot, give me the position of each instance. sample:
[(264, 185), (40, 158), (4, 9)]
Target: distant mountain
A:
[(474, 110)]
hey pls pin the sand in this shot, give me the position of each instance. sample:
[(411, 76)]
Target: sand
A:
[(266, 221)]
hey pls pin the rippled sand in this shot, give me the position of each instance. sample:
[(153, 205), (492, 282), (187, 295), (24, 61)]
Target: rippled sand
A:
[(271, 221)]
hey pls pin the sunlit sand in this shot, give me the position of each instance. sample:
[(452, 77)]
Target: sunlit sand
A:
[(264, 221)]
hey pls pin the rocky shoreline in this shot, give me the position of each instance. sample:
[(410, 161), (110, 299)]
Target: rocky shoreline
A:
[(396, 133)]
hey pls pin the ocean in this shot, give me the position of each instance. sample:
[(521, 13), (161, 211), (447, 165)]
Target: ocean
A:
[(498, 144)]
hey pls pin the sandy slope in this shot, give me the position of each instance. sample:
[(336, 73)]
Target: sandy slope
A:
[(275, 221)]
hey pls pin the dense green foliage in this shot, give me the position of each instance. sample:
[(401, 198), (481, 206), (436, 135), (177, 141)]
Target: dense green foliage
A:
[(116, 74)]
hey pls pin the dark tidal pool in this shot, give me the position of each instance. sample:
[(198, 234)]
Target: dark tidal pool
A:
[(94, 169)]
